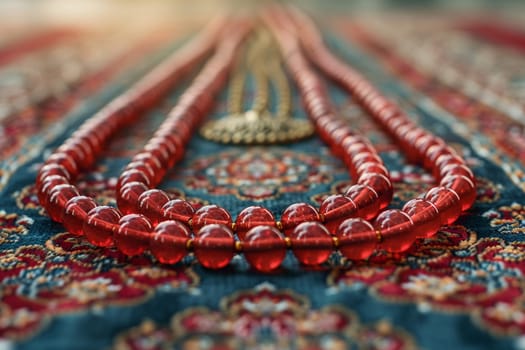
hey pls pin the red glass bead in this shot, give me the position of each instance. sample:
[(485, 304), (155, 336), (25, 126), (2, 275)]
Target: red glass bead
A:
[(365, 157), (264, 248), (397, 230), (76, 212), (410, 151), (381, 185), (142, 166), (465, 189), (424, 143), (178, 209), (148, 159), (456, 169), (250, 217), (128, 197), (64, 160), (133, 234), (335, 209), (49, 170), (47, 186), (132, 175), (357, 239), (371, 167), (99, 225), (57, 199), (425, 217), (210, 214), (311, 243), (296, 214), (433, 153), (151, 203), (214, 246), (448, 159), (336, 140), (366, 200), (168, 243), (447, 202), (79, 153)]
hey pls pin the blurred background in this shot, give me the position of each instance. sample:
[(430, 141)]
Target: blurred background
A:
[(93, 12)]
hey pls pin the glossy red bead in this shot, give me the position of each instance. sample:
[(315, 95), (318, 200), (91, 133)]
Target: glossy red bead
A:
[(397, 230), (76, 212), (372, 167), (142, 166), (357, 239), (250, 217), (150, 160), (447, 202), (128, 197), (214, 246), (425, 217), (178, 209), (47, 186), (64, 160), (133, 234), (433, 153), (463, 186), (100, 224), (264, 248), (210, 214), (456, 169), (57, 199), (311, 243), (151, 203), (79, 153), (132, 175), (48, 170), (296, 214), (366, 200), (381, 185), (335, 209), (423, 145), (168, 242)]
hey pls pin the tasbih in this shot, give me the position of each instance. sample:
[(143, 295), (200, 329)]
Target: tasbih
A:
[(148, 219)]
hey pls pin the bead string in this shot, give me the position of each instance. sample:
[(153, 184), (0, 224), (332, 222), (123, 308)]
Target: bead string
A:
[(163, 225)]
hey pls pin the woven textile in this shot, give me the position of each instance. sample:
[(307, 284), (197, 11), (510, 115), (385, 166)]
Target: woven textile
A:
[(462, 289)]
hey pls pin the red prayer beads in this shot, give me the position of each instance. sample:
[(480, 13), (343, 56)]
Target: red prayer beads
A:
[(162, 225)]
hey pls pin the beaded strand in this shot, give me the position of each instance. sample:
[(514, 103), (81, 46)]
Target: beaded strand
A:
[(170, 228)]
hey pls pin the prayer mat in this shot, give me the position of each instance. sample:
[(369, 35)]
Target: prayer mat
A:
[(461, 77)]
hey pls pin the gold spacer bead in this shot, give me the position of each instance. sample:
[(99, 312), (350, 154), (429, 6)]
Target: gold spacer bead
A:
[(335, 241), (238, 246), (279, 225), (379, 236), (233, 226), (189, 244), (288, 242), (190, 223)]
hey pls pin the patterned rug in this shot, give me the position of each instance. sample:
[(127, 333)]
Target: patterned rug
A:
[(464, 79)]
